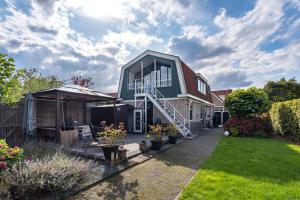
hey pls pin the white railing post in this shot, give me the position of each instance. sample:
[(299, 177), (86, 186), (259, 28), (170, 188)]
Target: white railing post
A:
[(174, 114), (134, 86)]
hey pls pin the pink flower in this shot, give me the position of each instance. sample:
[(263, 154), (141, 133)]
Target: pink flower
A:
[(1, 146), (2, 158)]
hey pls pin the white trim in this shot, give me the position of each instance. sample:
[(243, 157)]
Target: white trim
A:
[(195, 98), (200, 75), (120, 83), (218, 98), (180, 76), (172, 98)]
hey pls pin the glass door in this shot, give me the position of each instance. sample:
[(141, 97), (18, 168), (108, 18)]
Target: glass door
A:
[(138, 121)]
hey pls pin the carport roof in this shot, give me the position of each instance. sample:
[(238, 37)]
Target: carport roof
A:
[(73, 93)]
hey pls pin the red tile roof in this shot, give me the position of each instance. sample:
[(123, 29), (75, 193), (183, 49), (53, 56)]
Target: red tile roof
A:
[(191, 84)]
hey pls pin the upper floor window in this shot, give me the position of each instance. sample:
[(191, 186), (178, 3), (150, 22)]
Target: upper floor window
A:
[(165, 73), (201, 86)]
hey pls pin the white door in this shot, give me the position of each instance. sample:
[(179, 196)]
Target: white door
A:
[(138, 121)]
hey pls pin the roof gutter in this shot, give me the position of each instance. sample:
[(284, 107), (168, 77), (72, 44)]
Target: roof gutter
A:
[(195, 98)]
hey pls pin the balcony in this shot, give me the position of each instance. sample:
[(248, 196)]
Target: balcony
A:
[(141, 87)]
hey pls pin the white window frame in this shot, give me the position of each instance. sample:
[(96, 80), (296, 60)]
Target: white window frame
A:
[(201, 86)]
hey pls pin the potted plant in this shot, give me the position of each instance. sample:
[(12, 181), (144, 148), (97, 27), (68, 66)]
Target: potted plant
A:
[(172, 133), (143, 146), (112, 138), (122, 152), (156, 134)]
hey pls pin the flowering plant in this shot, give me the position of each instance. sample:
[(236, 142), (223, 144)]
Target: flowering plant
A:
[(155, 132), (9, 156), (113, 136), (172, 129)]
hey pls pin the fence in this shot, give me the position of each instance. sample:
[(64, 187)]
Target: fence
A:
[(11, 123)]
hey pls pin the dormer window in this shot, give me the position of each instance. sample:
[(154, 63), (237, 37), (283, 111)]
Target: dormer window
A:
[(201, 86)]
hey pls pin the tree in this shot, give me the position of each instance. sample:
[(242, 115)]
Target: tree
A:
[(35, 81), (246, 103), (283, 90), (10, 84), (84, 82)]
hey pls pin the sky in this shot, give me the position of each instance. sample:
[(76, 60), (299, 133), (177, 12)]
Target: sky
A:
[(234, 44)]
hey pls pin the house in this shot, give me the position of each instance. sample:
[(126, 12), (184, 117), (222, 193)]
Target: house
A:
[(162, 88), (220, 113)]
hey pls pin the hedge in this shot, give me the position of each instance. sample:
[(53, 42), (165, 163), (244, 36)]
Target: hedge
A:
[(285, 117)]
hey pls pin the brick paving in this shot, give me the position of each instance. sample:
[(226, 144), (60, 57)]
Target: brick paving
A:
[(161, 177)]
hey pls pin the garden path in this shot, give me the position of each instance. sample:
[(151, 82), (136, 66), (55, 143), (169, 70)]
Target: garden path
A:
[(161, 177)]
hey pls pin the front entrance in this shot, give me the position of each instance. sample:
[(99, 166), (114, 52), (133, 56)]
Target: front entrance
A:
[(217, 119), (138, 121)]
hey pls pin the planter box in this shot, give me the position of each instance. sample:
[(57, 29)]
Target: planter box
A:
[(69, 137)]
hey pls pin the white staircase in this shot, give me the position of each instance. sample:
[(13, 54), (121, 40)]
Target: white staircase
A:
[(164, 106)]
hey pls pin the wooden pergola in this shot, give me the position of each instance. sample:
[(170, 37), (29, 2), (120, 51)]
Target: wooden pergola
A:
[(73, 93)]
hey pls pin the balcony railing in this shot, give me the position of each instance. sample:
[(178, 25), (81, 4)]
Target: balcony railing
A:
[(140, 86)]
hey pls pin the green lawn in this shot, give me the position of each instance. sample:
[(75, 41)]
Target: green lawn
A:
[(248, 168)]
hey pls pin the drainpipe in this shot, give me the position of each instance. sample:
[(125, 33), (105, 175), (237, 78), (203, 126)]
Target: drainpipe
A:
[(146, 123)]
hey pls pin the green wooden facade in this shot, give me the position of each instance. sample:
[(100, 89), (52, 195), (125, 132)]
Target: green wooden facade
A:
[(168, 92)]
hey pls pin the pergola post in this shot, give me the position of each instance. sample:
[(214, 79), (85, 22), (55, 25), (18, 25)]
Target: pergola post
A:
[(57, 116), (115, 114), (84, 112)]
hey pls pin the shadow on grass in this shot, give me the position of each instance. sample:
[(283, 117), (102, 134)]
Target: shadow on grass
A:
[(259, 159)]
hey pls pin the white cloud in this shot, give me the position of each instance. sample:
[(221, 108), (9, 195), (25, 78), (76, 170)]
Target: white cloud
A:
[(104, 10), (243, 35), (64, 51)]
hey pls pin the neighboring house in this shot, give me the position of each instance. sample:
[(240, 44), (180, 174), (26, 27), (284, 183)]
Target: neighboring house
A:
[(168, 89), (220, 113)]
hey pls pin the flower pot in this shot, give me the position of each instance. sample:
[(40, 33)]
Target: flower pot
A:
[(107, 150), (143, 146), (156, 144), (172, 139), (122, 154)]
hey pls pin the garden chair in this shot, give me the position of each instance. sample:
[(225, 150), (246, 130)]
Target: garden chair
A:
[(89, 142)]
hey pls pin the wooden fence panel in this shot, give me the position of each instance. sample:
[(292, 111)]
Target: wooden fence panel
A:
[(11, 123)]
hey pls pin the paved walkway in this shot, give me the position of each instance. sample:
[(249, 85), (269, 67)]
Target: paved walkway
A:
[(161, 177)]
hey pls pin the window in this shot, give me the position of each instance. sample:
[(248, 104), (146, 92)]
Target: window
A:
[(164, 73), (201, 86), (164, 76)]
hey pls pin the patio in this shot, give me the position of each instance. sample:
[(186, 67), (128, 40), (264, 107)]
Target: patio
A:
[(131, 143)]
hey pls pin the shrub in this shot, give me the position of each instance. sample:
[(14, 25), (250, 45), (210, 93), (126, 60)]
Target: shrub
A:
[(285, 117), (254, 126), (9, 156), (50, 174), (246, 103)]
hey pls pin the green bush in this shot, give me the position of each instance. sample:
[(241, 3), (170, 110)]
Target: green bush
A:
[(246, 103), (285, 117), (59, 172)]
